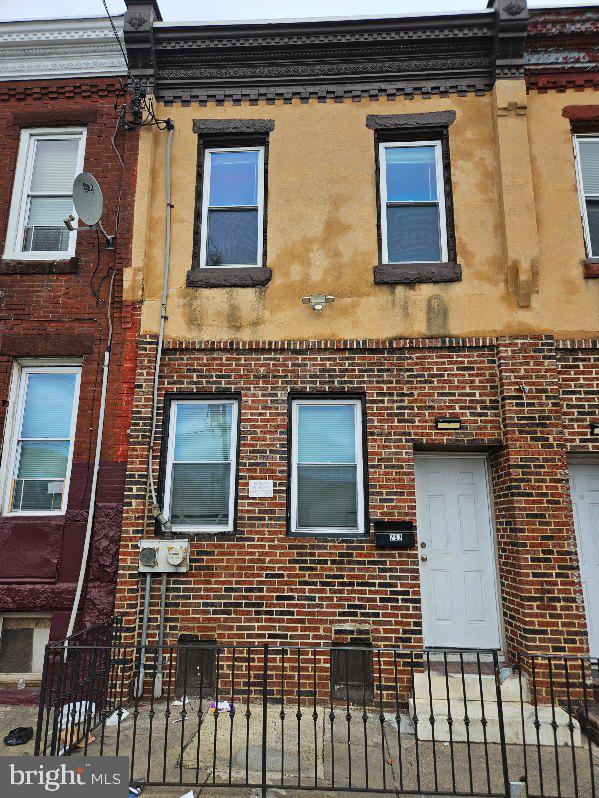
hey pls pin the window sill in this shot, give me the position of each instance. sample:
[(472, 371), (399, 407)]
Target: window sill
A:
[(235, 277), (591, 268), (67, 266), (396, 273), (327, 536)]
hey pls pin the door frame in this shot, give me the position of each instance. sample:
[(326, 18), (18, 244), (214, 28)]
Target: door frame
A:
[(429, 454), (574, 458)]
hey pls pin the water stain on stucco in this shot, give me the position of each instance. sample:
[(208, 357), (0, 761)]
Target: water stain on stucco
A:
[(437, 315)]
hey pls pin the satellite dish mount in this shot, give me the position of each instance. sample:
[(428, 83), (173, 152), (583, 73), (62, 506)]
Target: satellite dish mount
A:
[(88, 202)]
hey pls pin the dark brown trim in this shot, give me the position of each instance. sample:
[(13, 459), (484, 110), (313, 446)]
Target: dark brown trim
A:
[(229, 127), (169, 398), (583, 118), (233, 277), (394, 274), (591, 268), (585, 113), (38, 266), (331, 396), (61, 345), (228, 136), (49, 118), (418, 133), (436, 119), (323, 60)]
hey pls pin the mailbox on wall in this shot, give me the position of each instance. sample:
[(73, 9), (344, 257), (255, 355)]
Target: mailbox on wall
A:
[(394, 534)]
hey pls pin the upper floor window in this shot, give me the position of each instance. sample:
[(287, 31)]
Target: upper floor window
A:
[(47, 163), (201, 465), (232, 207), (413, 227), (587, 170), (39, 439), (327, 479)]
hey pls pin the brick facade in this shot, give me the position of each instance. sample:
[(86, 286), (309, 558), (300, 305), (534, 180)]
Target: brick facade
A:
[(520, 400), (50, 312)]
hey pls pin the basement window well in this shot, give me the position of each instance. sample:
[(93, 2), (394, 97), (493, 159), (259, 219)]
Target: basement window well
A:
[(23, 639)]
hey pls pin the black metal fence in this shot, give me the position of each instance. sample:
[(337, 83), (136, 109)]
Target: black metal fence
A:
[(345, 719)]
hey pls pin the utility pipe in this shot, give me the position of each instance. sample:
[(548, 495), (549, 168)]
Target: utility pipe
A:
[(92, 498), (167, 255), (158, 515)]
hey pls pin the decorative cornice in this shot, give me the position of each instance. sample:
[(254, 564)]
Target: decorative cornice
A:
[(25, 90), (323, 60), (409, 121), (59, 49), (562, 49)]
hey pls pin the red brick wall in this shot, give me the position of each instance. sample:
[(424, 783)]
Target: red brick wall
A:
[(49, 314), (261, 585)]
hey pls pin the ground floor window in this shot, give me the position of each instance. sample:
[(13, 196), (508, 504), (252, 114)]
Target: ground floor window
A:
[(201, 465), (327, 480), (39, 443)]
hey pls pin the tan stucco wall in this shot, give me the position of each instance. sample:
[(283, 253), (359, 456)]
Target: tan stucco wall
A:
[(322, 228)]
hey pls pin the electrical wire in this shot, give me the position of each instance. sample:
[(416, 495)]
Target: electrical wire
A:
[(116, 35)]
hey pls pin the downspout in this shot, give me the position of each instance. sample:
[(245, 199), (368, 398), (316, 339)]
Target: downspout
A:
[(92, 498), (156, 509)]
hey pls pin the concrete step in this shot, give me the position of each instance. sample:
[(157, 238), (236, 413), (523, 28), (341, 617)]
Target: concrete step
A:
[(514, 718), (455, 684)]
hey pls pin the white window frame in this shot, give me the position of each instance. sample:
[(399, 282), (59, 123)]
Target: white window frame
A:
[(14, 422), (206, 207), (581, 193), (168, 480), (388, 145), (20, 193), (357, 404)]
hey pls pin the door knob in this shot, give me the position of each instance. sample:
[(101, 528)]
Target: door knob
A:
[(424, 558)]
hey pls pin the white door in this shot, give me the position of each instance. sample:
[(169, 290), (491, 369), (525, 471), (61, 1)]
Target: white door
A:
[(456, 552), (584, 484)]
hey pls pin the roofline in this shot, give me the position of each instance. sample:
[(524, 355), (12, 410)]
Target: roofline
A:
[(60, 48), (203, 24)]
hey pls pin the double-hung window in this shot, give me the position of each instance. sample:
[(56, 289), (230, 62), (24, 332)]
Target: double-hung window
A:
[(232, 207), (48, 161), (201, 465), (327, 480), (413, 225), (587, 172), (40, 441)]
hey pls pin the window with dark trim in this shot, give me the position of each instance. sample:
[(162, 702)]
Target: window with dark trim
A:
[(198, 478), (327, 470), (415, 226), (351, 671), (229, 248)]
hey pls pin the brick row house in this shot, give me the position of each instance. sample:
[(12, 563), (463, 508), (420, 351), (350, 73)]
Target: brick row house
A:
[(60, 86), (364, 254), (377, 405)]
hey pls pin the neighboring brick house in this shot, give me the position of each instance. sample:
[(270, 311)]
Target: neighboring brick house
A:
[(450, 387), (59, 85)]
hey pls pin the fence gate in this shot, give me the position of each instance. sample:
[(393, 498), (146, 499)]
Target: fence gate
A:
[(340, 719)]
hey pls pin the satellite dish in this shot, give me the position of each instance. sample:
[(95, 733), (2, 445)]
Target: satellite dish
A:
[(87, 198)]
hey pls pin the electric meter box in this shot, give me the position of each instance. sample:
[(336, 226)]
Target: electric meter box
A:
[(163, 556)]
